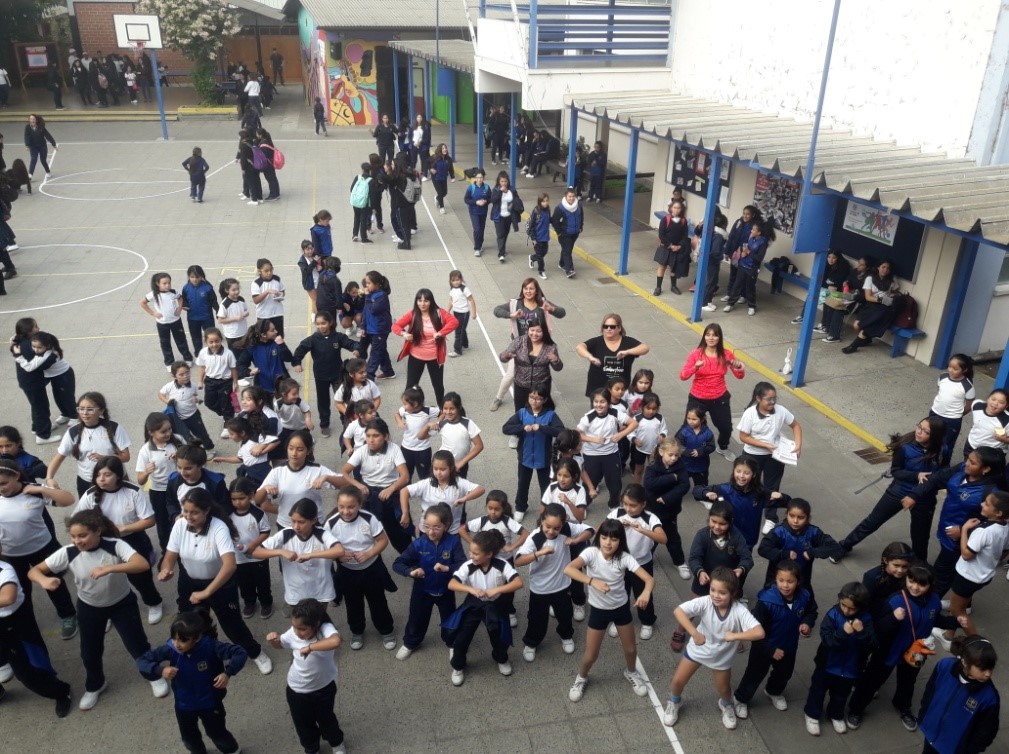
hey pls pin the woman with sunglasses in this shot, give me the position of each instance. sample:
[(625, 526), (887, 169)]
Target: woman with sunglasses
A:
[(611, 354)]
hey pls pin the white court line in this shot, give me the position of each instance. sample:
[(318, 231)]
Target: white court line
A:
[(59, 182), (113, 183)]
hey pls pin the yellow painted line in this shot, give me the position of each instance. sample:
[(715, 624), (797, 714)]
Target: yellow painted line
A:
[(769, 374), (306, 364)]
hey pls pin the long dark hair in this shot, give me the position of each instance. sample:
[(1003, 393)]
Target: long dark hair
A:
[(540, 321), (540, 298), (113, 464), (417, 325), (49, 342), (882, 283), (202, 500), (937, 433), (715, 328), (350, 368)]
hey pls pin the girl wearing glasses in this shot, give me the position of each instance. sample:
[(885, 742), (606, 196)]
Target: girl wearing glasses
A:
[(94, 438), (610, 354)]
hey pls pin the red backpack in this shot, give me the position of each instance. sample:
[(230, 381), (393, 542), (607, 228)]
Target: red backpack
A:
[(907, 313)]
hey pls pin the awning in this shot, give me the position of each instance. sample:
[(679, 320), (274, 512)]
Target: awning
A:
[(955, 193), (271, 9), (456, 54), (381, 14)]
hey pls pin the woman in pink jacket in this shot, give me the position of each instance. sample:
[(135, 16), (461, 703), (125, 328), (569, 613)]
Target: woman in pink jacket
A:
[(424, 329), (707, 365)]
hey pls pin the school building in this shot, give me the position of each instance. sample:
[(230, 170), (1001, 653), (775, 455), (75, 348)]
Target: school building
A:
[(877, 129)]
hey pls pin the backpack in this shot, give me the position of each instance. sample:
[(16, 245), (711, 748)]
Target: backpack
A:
[(907, 313), (102, 81), (259, 159), (278, 159), (360, 193), (412, 190)]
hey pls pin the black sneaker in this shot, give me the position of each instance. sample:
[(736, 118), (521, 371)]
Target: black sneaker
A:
[(854, 721), (249, 609), (909, 721), (265, 611), (63, 707)]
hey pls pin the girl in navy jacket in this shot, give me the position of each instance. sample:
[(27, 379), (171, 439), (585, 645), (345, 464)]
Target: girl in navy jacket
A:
[(747, 498), (477, 198), (442, 171), (200, 302), (960, 707), (698, 443), (718, 544), (750, 260), (538, 229), (597, 171), (199, 668), (262, 353), (798, 540), (377, 324), (322, 234), (666, 481)]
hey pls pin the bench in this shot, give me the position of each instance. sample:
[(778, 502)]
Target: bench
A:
[(901, 337), (172, 75), (795, 278)]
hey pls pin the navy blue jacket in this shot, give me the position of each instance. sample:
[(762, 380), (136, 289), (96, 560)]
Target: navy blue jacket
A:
[(443, 168), (377, 315), (881, 587), (963, 500), (423, 553), (958, 717), (567, 222), (539, 225), (668, 482), (534, 447), (757, 248), (327, 359), (269, 359), (194, 685), (329, 294), (200, 301), (908, 461), (212, 481), (474, 194), (781, 622), (839, 653), (706, 556), (738, 236), (597, 162), (781, 540), (926, 614), (703, 442), (747, 507), (322, 240)]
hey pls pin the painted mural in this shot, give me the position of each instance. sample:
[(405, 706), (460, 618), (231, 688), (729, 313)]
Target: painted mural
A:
[(342, 72)]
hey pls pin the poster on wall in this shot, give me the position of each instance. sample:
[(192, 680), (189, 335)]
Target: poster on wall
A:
[(778, 200), (36, 57), (872, 223), (690, 171)]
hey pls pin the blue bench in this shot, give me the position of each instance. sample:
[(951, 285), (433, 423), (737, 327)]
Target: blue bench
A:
[(901, 337), (795, 278)]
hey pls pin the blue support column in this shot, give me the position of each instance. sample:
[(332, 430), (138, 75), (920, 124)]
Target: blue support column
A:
[(395, 85), (572, 143), (1002, 378), (409, 86), (452, 115), (428, 91), (479, 131), (625, 228), (957, 294), (533, 35), (710, 210), (512, 146)]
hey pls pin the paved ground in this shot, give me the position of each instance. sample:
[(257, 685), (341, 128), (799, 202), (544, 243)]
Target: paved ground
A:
[(116, 211)]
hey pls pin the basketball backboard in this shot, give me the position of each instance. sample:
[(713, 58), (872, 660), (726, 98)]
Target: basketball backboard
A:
[(137, 31)]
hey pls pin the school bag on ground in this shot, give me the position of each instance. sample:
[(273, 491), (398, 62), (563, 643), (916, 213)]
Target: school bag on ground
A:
[(360, 193), (412, 190), (907, 313)]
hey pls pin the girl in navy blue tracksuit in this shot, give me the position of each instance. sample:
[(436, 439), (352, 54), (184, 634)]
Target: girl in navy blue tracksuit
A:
[(698, 443), (377, 324), (750, 260), (887, 579), (197, 167), (200, 302), (535, 428), (960, 707), (568, 219), (322, 234), (915, 456), (477, 198), (666, 482), (786, 611), (538, 229), (796, 539), (262, 353), (597, 171), (966, 485), (430, 561), (846, 634), (738, 236), (199, 668), (325, 346), (329, 289), (747, 498), (442, 171)]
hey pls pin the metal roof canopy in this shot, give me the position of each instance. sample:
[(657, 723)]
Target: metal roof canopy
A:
[(953, 195), (456, 54), (381, 14)]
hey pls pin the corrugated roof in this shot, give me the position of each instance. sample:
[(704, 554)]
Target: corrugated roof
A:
[(932, 187), (383, 14), (453, 53)]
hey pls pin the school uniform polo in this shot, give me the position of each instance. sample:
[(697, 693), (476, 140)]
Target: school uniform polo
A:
[(379, 468), (650, 432), (186, 397), (457, 437), (952, 396), (9, 576), (165, 303), (355, 433), (23, 529), (576, 494), (92, 440), (987, 542), (125, 506), (292, 415), (51, 364), (271, 306), (595, 425), (218, 365), (250, 526), (293, 485), (245, 455), (611, 572), (638, 544), (228, 309), (357, 535), (415, 421), (546, 574), (312, 578), (984, 428), (499, 572), (163, 460), (318, 668), (431, 493), (109, 589), (510, 528), (367, 392), (764, 427), (200, 552), (460, 299), (716, 653)]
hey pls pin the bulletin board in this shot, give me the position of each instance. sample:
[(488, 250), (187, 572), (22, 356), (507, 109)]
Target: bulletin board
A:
[(903, 252), (690, 170)]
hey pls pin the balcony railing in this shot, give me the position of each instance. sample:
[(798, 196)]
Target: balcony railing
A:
[(590, 32)]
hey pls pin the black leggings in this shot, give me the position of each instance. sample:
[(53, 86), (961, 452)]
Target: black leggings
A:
[(224, 603), (415, 368), (719, 412), (165, 334), (889, 505), (25, 651), (605, 467)]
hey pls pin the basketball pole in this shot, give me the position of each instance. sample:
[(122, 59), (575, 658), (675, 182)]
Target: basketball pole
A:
[(157, 88)]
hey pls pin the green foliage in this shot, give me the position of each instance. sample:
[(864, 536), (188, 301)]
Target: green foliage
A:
[(204, 83), (196, 28), (20, 22)]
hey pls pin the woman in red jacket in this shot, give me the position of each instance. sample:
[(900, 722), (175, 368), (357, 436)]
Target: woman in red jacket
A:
[(707, 365), (424, 329)]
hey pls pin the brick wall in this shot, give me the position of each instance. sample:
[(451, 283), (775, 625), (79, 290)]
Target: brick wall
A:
[(98, 32)]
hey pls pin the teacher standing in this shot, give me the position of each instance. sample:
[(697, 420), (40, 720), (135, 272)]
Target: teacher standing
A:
[(611, 354), (707, 366), (534, 355), (424, 329)]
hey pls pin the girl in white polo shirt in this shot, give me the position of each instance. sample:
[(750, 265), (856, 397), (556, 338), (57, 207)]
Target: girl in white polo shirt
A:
[(93, 438), (444, 486), (165, 305), (417, 421), (233, 314), (218, 374), (600, 430), (202, 543), (183, 397), (460, 436), (155, 463), (311, 679), (99, 564), (126, 506), (383, 472), (605, 564), (268, 295), (298, 479)]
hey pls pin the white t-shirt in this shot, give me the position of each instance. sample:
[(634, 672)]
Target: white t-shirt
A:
[(186, 397), (272, 305), (415, 421), (599, 426), (316, 670), (250, 526), (650, 432), (247, 457), (987, 542), (92, 440), (546, 575), (229, 308), (952, 396), (23, 529), (103, 592), (576, 495), (313, 578), (9, 576), (163, 460), (125, 506), (367, 392), (460, 299), (357, 535), (201, 553), (510, 528), (218, 365), (638, 544), (378, 469), (716, 653), (292, 486), (507, 197), (355, 432), (611, 572), (982, 432), (166, 303), (764, 427), (432, 494), (292, 415), (252, 88), (457, 437), (499, 572)]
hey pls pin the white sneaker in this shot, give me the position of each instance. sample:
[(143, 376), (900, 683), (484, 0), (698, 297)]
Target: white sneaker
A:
[(568, 645), (684, 571), (62, 420), (937, 634), (154, 614), (728, 715), (12, 247), (513, 620), (724, 298), (160, 688), (671, 713), (357, 641), (108, 626), (742, 710), (224, 434), (646, 633), (751, 311), (812, 726), (709, 308), (611, 631), (779, 702), (636, 681), (727, 454), (6, 673), (504, 668), (90, 699), (47, 440), (579, 613), (840, 727), (578, 689), (389, 642), (442, 210), (458, 677), (513, 442), (263, 663), (768, 525), (519, 515), (404, 652), (253, 202), (727, 308), (528, 653)]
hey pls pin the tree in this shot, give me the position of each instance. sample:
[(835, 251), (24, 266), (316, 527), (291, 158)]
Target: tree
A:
[(197, 29), (21, 20)]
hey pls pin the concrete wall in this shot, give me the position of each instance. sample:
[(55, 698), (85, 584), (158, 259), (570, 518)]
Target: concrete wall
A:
[(896, 66)]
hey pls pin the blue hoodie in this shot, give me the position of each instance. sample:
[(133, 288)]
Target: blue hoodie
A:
[(963, 500), (194, 685), (377, 315), (841, 653), (534, 447), (812, 541), (200, 301), (703, 442), (758, 248), (747, 507), (423, 553), (322, 240), (780, 620), (958, 716), (474, 194), (925, 614)]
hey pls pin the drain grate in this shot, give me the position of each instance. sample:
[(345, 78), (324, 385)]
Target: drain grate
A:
[(604, 281), (873, 456)]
